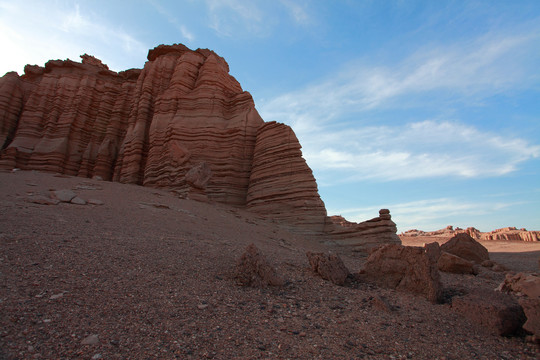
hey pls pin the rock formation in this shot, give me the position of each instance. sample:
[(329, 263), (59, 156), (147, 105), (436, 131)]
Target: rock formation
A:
[(365, 235), (407, 268), (182, 122), (503, 234), (253, 269)]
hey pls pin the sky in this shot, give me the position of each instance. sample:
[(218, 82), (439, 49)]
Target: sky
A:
[(428, 108)]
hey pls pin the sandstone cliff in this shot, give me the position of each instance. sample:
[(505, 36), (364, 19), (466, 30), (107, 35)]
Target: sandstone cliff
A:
[(503, 234), (182, 122)]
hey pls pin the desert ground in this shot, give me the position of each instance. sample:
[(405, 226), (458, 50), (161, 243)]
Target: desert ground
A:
[(138, 273)]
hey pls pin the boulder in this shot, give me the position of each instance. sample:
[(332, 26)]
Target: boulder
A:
[(408, 268), (329, 267), (64, 195), (464, 246), (496, 312), (525, 284), (253, 269), (454, 264)]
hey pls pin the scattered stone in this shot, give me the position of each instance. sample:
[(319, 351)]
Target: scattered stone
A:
[(497, 312), (464, 246), (78, 201), (43, 200), (97, 356), (56, 296), (488, 263), (329, 267), (90, 340), (523, 284), (202, 306), (64, 195), (381, 304), (531, 308), (499, 268), (253, 269), (407, 268), (95, 202), (454, 264)]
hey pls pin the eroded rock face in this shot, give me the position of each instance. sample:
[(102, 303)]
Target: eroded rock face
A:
[(454, 264), (407, 268), (254, 270), (366, 235), (330, 267), (155, 127), (496, 312), (281, 183)]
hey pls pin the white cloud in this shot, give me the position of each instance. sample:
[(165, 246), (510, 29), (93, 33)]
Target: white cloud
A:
[(167, 14), (479, 68), (232, 17), (418, 149), (61, 30), (297, 12), (428, 214)]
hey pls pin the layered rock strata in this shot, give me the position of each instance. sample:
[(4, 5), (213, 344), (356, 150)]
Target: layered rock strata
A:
[(365, 235), (182, 122), (503, 234)]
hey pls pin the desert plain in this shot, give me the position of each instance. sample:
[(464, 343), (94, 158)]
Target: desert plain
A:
[(134, 272)]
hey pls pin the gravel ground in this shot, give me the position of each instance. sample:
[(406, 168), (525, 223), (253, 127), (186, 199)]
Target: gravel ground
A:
[(146, 275)]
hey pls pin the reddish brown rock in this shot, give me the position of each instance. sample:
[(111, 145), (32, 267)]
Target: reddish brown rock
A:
[(407, 268), (531, 308), (496, 312), (366, 235), (281, 183), (252, 269), (503, 234), (464, 246), (522, 284), (454, 264), (330, 267), (154, 126)]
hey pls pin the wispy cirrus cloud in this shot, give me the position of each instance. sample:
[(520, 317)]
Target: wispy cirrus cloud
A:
[(457, 75), (61, 30), (415, 150), (430, 214), (173, 20), (479, 68)]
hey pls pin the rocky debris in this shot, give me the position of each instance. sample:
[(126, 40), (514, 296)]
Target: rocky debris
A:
[(464, 246), (330, 267), (407, 268), (63, 195), (526, 287), (363, 236), (155, 127), (454, 264), (522, 284), (95, 202), (381, 304), (503, 234), (42, 200), (254, 270), (90, 340), (496, 312), (78, 201)]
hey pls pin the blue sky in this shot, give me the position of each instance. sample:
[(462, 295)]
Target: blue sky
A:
[(428, 108)]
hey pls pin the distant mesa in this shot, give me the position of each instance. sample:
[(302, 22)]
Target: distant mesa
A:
[(503, 234), (181, 123)]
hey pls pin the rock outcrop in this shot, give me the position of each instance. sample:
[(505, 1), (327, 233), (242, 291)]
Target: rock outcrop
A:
[(365, 235), (495, 312), (182, 123), (330, 267), (253, 269), (407, 268), (466, 247), (503, 234)]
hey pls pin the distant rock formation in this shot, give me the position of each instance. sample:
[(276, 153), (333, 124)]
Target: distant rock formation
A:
[(503, 234), (182, 122)]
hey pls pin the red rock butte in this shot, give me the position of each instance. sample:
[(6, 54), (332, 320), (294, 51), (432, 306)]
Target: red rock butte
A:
[(182, 123)]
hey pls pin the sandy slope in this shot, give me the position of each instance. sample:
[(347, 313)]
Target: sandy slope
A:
[(150, 276)]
